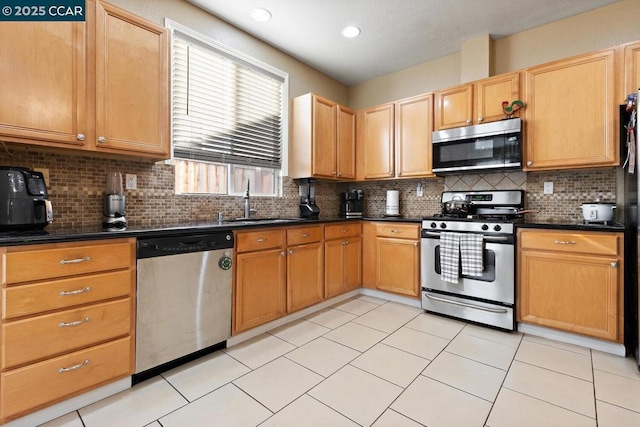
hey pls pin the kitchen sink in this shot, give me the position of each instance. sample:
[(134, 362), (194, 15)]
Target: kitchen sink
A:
[(261, 220)]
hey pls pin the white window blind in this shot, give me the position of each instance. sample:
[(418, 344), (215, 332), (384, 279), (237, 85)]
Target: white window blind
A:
[(224, 108)]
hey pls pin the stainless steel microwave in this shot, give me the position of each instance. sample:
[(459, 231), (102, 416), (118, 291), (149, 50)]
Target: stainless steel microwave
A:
[(489, 146)]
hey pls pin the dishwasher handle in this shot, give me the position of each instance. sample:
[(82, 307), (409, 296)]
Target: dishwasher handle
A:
[(184, 243)]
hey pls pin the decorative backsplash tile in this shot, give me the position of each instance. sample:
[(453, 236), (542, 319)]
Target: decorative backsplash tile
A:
[(77, 184)]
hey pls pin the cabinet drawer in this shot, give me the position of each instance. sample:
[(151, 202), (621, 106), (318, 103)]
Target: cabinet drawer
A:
[(39, 337), (258, 240), (302, 235), (24, 300), (35, 263), (36, 385), (579, 242), (337, 231), (399, 231)]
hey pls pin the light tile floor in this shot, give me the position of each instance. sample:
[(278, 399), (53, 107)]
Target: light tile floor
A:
[(369, 362)]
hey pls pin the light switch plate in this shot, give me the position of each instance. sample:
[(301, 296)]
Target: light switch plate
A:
[(548, 188), (131, 181), (419, 191)]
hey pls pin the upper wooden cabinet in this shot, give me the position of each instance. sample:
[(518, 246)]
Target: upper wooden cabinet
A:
[(631, 68), (323, 139), (571, 113), (394, 140), (476, 102), (99, 85)]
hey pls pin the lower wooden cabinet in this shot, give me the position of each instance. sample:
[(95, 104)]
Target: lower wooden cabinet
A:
[(343, 258), (572, 281), (305, 267), (68, 323)]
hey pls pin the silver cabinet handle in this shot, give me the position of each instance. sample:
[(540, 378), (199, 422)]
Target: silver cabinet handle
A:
[(415, 245), (529, 162), (76, 323), (339, 173), (468, 120), (76, 292), (261, 239), (80, 137), (565, 242), (290, 251), (282, 253), (344, 230), (75, 261), (396, 231), (614, 264), (74, 367), (305, 235), (480, 119), (101, 139), (333, 172)]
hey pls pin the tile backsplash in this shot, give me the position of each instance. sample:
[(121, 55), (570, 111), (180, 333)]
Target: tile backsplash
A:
[(77, 185)]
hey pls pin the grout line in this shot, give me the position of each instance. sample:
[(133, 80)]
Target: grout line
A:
[(549, 403)]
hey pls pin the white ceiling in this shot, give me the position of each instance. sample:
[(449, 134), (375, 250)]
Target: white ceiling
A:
[(396, 34)]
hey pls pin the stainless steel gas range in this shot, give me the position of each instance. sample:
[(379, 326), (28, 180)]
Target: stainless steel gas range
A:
[(468, 257)]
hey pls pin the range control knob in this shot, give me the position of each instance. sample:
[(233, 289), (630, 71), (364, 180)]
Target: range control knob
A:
[(433, 225), (484, 227), (497, 228), (443, 225)]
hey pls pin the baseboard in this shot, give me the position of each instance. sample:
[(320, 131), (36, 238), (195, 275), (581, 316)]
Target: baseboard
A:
[(569, 338)]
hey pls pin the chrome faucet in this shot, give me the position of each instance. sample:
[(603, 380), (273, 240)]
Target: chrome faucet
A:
[(247, 205)]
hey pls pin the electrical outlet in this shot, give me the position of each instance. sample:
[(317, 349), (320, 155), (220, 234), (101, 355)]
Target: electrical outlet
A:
[(45, 174), (131, 181), (419, 191), (548, 188)]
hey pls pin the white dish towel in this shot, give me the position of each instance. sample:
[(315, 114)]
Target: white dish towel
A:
[(471, 252), (450, 256)]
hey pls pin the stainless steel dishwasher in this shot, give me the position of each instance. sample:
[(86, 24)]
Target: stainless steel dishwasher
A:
[(183, 299)]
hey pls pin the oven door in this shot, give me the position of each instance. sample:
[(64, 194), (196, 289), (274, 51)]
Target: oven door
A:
[(498, 277)]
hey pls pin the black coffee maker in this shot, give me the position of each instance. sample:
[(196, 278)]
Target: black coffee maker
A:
[(24, 204), (308, 207), (352, 204)]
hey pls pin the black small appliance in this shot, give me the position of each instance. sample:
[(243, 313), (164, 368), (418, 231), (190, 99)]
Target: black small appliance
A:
[(308, 207), (24, 204), (352, 204)]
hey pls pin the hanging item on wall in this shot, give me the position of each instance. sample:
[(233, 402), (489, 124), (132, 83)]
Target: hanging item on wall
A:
[(509, 110), (630, 162)]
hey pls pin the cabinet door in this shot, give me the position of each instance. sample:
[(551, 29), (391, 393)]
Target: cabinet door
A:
[(43, 82), (352, 256), (324, 138), (132, 83), (414, 125), (454, 107), (260, 288), (305, 276), (571, 114), (574, 293), (491, 92), (377, 142), (398, 266), (334, 268), (346, 143), (631, 69)]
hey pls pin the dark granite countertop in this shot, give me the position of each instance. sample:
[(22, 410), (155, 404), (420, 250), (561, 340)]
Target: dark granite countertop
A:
[(578, 226), (54, 235)]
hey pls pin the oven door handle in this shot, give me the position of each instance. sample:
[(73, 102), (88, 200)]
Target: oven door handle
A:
[(487, 238), (463, 304)]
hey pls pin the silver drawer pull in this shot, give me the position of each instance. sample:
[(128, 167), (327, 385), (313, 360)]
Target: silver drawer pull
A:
[(344, 230), (306, 235), (76, 323), (261, 240), (74, 367), (396, 231), (76, 292), (75, 261), (565, 242)]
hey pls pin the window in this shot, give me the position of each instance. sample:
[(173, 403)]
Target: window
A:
[(229, 118)]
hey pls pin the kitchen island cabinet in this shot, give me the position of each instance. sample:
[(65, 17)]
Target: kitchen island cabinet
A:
[(572, 281), (105, 86), (343, 258), (571, 113), (323, 143), (68, 323), (476, 102)]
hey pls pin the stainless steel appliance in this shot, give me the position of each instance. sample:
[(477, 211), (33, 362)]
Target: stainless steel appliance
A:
[(113, 209), (24, 203), (308, 207), (352, 204), (488, 298), (183, 299), (494, 146)]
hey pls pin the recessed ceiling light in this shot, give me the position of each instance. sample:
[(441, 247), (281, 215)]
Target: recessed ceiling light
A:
[(260, 14), (351, 32)]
